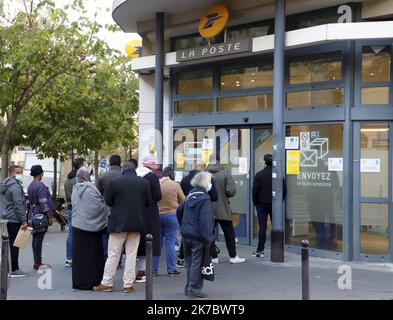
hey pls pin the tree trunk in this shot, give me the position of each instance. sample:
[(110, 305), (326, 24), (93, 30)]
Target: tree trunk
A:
[(96, 155), (130, 153), (4, 159), (54, 186)]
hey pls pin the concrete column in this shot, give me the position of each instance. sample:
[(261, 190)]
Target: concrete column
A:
[(277, 236), (159, 84)]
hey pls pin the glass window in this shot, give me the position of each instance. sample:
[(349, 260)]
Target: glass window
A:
[(194, 106), (374, 232), (250, 31), (316, 69), (193, 41), (188, 147), (376, 64), (194, 82), (245, 103), (315, 98), (246, 77), (313, 18), (314, 193), (374, 140), (375, 95)]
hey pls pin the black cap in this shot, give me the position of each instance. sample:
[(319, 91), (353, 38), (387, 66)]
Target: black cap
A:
[(36, 170)]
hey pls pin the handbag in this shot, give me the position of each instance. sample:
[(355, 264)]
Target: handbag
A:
[(39, 222), (207, 270)]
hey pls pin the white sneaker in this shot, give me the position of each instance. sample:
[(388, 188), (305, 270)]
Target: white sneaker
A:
[(236, 260), (215, 260)]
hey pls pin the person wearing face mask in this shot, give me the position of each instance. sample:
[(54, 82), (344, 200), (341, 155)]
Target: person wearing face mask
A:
[(226, 189), (14, 211)]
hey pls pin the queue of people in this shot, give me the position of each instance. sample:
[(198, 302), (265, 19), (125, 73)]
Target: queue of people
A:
[(112, 218)]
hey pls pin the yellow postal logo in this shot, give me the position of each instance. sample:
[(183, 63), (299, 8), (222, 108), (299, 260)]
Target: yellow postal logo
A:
[(213, 21), (134, 48)]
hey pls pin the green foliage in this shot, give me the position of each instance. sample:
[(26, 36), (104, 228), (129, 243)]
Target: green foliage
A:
[(61, 88)]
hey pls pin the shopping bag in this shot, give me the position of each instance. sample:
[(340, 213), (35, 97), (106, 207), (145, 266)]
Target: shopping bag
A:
[(22, 238), (207, 270)]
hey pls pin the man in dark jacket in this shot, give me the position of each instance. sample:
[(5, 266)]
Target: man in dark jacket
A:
[(226, 188), (195, 217), (262, 199), (14, 211), (106, 178), (103, 185), (128, 196), (186, 186), (68, 186)]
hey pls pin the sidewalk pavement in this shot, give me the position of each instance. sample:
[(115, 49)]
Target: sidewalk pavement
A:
[(256, 279)]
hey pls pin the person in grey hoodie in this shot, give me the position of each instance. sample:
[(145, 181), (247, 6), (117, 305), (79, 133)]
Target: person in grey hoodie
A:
[(13, 209), (89, 221), (226, 189)]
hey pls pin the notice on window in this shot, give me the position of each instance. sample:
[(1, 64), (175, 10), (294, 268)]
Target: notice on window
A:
[(335, 164), (180, 160), (293, 162), (304, 140), (243, 165), (178, 176), (206, 156), (207, 144), (370, 165), (292, 143)]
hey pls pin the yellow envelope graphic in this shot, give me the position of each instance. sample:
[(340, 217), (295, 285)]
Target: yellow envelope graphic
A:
[(308, 158)]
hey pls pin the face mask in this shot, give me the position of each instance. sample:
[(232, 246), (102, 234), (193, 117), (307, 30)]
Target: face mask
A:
[(209, 186), (19, 177)]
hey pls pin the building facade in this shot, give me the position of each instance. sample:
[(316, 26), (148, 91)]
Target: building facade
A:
[(338, 110)]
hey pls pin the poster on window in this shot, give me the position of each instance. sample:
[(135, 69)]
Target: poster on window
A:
[(243, 165), (293, 162), (207, 144), (370, 165), (178, 176), (292, 143), (335, 164)]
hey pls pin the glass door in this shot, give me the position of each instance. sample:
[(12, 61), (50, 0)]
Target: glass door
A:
[(232, 147), (262, 144), (372, 195)]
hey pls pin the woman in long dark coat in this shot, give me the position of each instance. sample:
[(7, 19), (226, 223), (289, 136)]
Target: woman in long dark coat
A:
[(152, 215), (89, 221)]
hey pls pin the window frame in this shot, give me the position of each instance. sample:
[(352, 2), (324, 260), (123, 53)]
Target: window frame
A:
[(359, 84)]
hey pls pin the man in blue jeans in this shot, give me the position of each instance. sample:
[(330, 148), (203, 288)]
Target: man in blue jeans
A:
[(68, 185), (172, 197)]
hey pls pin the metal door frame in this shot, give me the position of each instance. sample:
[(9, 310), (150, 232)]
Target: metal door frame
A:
[(358, 200)]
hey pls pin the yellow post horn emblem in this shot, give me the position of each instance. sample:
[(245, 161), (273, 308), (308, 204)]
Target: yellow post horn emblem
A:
[(134, 48), (213, 21)]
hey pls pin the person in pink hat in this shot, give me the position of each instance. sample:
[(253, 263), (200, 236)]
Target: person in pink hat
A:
[(152, 215)]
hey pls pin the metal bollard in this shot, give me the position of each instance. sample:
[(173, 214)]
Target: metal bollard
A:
[(305, 271), (149, 267), (4, 267)]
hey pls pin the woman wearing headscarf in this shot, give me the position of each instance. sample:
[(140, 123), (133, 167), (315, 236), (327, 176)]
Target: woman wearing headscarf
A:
[(40, 202), (152, 215), (89, 221)]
